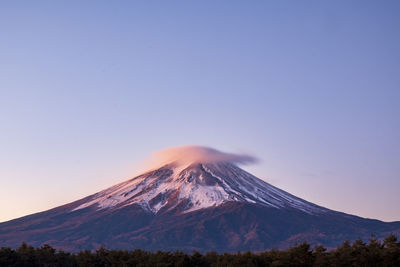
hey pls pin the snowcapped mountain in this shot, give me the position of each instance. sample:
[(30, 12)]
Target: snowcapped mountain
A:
[(191, 198), (195, 187)]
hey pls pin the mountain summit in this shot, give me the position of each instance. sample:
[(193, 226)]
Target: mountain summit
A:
[(191, 198), (187, 188)]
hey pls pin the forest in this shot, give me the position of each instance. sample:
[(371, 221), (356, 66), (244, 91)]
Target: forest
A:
[(372, 253)]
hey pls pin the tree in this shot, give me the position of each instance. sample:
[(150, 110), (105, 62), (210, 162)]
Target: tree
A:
[(391, 253)]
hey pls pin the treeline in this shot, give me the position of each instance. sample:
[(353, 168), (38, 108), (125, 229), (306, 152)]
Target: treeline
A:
[(359, 253)]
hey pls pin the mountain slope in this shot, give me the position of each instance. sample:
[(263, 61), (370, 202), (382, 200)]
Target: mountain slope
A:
[(199, 186), (231, 226)]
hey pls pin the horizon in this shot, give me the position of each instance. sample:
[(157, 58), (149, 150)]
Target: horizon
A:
[(89, 90)]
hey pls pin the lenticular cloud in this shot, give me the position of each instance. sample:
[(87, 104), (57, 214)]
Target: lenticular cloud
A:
[(197, 154)]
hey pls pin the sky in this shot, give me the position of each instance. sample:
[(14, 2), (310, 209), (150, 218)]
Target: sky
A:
[(89, 89)]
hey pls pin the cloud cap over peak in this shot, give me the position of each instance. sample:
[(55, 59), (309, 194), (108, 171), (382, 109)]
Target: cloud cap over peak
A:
[(197, 154)]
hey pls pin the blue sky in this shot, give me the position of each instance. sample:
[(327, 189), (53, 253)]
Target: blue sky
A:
[(89, 89)]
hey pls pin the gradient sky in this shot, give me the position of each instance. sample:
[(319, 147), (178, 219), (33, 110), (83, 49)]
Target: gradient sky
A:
[(88, 89)]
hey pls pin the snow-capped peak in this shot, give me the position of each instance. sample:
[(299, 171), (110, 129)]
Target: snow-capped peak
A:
[(193, 187)]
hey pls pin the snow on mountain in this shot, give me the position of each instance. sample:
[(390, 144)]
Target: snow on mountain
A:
[(195, 178)]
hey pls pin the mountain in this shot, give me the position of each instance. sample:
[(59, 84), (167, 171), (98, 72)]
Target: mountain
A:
[(199, 199)]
